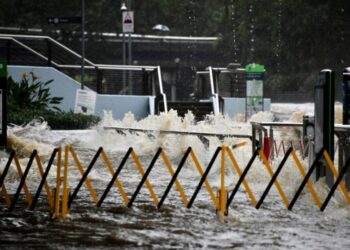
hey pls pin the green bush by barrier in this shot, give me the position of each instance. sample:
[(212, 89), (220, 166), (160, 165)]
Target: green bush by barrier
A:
[(30, 99), (56, 120)]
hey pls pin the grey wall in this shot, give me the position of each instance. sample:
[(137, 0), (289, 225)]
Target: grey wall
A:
[(64, 86), (236, 105), (121, 104)]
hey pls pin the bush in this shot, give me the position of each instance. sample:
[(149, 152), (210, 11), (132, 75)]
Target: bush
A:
[(30, 93), (55, 119), (30, 99)]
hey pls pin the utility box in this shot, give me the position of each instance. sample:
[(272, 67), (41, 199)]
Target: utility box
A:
[(255, 85), (3, 104), (346, 96), (324, 121)]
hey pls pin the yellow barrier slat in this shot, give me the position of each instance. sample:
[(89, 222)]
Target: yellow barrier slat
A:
[(277, 184), (206, 182), (142, 172), (222, 191), (81, 170), (341, 185), (5, 195), (240, 144), (58, 184), (117, 182), (239, 172), (25, 187), (177, 183), (47, 188), (65, 184), (309, 183)]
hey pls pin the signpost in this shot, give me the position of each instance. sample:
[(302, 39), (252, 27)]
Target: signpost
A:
[(255, 83), (128, 27), (3, 103)]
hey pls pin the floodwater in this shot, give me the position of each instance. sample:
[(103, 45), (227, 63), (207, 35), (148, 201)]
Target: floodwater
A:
[(143, 226)]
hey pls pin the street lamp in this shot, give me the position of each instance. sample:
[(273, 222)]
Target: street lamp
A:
[(122, 9), (130, 22)]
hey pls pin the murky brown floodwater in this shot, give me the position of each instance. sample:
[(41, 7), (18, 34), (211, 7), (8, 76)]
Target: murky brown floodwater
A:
[(174, 226)]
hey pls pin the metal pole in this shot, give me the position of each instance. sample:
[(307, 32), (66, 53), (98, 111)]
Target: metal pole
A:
[(124, 61), (130, 7), (129, 62), (82, 43)]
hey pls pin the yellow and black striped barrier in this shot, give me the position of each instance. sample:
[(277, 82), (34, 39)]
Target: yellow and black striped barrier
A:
[(60, 198)]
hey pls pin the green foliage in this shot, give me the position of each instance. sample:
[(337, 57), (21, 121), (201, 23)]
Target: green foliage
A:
[(30, 93), (55, 119), (30, 99)]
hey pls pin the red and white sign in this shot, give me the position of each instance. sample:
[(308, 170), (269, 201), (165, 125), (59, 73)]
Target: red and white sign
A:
[(128, 22)]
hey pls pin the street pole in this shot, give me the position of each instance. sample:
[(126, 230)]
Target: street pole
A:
[(130, 55), (82, 43)]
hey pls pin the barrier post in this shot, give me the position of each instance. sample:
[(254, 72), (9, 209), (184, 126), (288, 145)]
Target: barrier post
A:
[(58, 184), (344, 150), (65, 184), (324, 121), (267, 147), (222, 193)]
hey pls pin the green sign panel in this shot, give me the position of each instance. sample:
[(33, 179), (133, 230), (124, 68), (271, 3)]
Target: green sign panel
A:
[(255, 84), (254, 68), (3, 69)]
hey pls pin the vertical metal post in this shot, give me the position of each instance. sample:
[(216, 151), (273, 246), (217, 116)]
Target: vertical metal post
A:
[(272, 155), (99, 80), (130, 63), (344, 141), (49, 52), (82, 43), (8, 51), (124, 62), (3, 103), (346, 96), (130, 54), (324, 121), (253, 138)]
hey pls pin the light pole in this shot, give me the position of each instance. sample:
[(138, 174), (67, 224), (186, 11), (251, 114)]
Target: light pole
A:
[(130, 55), (122, 9), (82, 43)]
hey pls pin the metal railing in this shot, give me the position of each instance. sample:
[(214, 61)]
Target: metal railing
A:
[(103, 78), (215, 84)]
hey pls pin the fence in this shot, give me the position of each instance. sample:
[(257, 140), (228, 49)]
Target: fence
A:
[(61, 197)]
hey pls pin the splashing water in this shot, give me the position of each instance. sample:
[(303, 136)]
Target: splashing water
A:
[(174, 226)]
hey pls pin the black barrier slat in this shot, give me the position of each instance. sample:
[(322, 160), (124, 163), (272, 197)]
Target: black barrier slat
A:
[(204, 177), (115, 176), (337, 182), (302, 185), (181, 164), (86, 173), (6, 169), (43, 179), (21, 184), (144, 178), (241, 179), (274, 177)]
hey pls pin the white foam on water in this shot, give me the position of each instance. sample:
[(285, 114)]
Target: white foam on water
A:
[(252, 228)]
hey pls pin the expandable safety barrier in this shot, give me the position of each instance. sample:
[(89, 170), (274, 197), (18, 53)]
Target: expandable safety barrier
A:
[(61, 202), (32, 201)]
